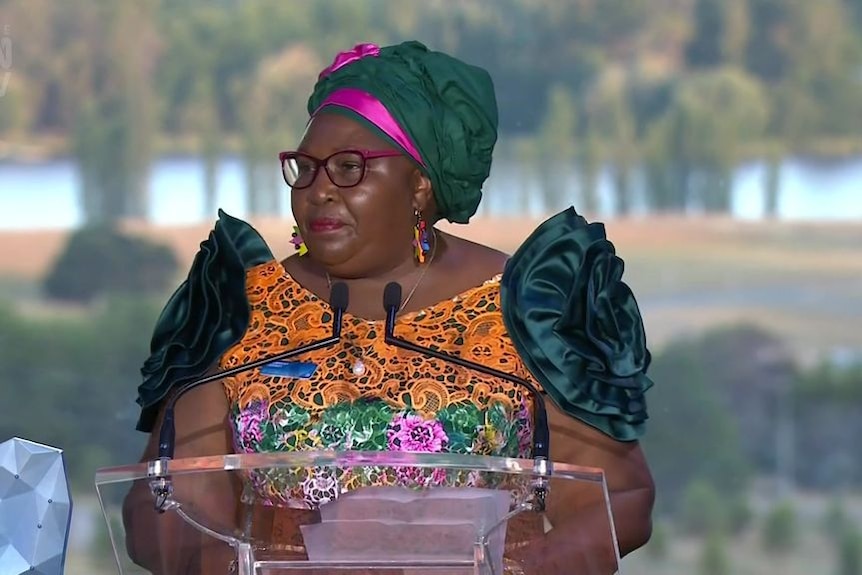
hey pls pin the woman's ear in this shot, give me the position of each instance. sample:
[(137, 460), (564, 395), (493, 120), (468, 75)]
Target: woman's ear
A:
[(423, 194)]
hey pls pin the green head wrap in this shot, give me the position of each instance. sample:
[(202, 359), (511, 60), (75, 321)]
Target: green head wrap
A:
[(445, 107)]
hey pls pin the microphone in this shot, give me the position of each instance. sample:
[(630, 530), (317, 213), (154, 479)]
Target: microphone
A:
[(541, 431), (338, 301)]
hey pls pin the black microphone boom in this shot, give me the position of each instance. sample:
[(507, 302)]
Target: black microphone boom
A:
[(338, 301), (541, 431)]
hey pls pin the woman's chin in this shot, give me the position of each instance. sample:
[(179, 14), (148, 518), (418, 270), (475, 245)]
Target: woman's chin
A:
[(332, 257), (330, 248)]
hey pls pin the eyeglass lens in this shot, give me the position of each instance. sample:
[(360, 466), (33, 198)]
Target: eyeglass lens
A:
[(345, 169)]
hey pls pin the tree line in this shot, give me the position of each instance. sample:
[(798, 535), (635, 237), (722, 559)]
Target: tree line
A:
[(681, 90)]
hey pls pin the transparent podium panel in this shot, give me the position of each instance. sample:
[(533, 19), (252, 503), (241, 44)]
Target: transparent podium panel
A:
[(344, 513)]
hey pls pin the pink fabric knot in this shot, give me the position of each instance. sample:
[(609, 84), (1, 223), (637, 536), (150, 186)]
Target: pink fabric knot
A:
[(344, 58)]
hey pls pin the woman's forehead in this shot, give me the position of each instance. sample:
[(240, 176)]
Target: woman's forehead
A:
[(330, 132)]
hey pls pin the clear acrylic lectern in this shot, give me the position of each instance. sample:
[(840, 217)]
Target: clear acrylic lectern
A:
[(345, 513)]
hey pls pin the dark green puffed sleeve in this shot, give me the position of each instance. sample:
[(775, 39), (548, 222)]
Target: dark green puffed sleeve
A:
[(207, 314), (577, 325)]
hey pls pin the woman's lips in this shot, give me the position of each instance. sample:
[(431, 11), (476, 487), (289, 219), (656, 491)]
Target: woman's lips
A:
[(325, 225)]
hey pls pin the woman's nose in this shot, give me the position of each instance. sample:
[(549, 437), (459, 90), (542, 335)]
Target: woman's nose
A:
[(322, 189)]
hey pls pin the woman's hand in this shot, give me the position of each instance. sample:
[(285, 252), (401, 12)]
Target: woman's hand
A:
[(580, 540), (164, 543)]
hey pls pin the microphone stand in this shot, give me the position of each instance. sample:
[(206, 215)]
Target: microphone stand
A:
[(541, 430)]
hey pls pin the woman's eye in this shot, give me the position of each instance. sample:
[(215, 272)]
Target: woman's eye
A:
[(304, 167), (349, 165)]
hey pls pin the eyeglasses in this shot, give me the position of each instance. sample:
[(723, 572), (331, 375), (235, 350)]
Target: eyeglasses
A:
[(345, 168)]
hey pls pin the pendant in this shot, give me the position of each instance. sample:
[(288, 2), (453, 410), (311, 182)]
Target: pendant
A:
[(358, 368)]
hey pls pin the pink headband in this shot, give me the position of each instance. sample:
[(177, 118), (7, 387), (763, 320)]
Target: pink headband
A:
[(372, 110)]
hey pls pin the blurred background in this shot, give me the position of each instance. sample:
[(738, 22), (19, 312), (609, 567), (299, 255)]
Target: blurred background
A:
[(720, 141)]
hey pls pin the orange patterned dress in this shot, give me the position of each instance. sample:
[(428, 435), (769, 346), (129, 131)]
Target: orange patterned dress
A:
[(363, 394)]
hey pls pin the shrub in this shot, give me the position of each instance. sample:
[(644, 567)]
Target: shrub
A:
[(835, 520), (659, 542), (691, 435), (101, 260), (714, 559), (70, 382), (703, 510), (850, 552), (780, 529), (739, 514)]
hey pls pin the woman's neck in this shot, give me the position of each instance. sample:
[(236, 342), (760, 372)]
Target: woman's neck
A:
[(366, 293)]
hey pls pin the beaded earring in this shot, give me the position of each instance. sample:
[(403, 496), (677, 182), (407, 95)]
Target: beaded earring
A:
[(420, 238), (297, 242)]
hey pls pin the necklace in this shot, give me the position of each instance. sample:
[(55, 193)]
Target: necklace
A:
[(421, 276)]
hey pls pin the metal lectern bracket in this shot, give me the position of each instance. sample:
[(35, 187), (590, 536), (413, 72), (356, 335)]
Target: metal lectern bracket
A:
[(161, 486), (542, 469)]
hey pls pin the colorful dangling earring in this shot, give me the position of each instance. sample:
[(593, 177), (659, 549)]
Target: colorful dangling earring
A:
[(297, 242), (420, 238)]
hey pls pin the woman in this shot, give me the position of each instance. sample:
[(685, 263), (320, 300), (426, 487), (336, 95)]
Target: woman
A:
[(398, 139)]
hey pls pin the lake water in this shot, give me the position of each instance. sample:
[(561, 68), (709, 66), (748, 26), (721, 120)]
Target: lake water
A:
[(45, 195)]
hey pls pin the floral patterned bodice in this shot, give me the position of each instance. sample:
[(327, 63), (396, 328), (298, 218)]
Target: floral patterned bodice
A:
[(366, 395)]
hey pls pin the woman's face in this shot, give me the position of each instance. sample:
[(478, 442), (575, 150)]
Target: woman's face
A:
[(367, 229)]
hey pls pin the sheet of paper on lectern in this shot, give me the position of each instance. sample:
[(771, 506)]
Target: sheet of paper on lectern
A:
[(392, 524)]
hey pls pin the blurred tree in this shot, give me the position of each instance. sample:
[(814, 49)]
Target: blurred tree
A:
[(69, 381), (658, 546), (711, 117), (753, 373), (195, 36), (721, 30), (827, 403), (204, 121), (703, 510), (768, 51), (692, 435), (780, 529), (714, 558), (850, 552), (705, 49), (737, 29), (613, 122), (836, 520), (667, 177), (88, 70), (101, 548), (739, 514), (507, 48), (18, 106), (113, 137), (810, 56), (556, 149), (855, 7), (274, 119), (589, 166), (348, 23), (190, 98), (772, 181), (526, 152), (98, 261)]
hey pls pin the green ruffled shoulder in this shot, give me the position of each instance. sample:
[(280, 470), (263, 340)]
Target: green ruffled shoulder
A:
[(577, 325), (207, 314)]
